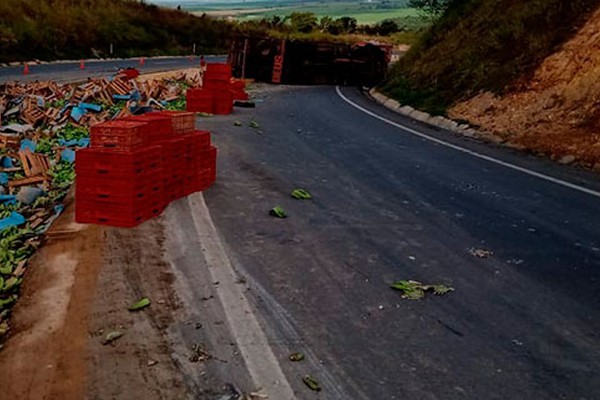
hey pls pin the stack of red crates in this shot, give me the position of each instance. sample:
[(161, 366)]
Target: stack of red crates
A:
[(137, 165), (218, 92)]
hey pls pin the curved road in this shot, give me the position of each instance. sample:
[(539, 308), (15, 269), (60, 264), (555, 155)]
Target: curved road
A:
[(523, 323)]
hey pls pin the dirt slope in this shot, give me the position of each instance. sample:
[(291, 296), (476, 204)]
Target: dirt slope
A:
[(557, 112)]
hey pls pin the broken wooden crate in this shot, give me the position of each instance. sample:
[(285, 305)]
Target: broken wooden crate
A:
[(35, 166)]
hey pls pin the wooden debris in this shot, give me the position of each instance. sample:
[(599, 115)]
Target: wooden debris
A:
[(34, 164), (20, 270), (9, 141), (26, 181)]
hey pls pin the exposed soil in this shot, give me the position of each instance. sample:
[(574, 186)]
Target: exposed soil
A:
[(557, 112), (78, 288)]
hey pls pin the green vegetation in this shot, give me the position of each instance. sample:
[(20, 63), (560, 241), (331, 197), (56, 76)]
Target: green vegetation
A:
[(365, 13), (61, 29), (432, 8), (362, 12), (68, 29), (307, 26), (480, 45)]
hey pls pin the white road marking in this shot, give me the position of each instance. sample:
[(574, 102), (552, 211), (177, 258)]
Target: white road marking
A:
[(470, 152), (251, 340)]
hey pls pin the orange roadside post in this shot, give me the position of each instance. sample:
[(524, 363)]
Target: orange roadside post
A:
[(26, 69)]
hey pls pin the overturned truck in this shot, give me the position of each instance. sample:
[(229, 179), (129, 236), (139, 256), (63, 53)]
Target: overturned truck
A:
[(308, 63)]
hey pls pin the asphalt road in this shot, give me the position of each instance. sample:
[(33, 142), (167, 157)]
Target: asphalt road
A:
[(70, 71), (523, 323)]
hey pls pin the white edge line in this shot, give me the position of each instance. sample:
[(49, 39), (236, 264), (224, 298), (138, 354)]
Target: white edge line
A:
[(470, 152), (252, 341)]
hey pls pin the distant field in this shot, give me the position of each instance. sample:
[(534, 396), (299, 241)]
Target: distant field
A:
[(362, 14), (365, 12)]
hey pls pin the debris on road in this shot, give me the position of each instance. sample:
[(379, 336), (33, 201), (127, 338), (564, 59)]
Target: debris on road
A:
[(13, 219), (237, 123), (301, 194), (311, 383), (414, 290), (257, 396), (42, 126), (296, 357), (480, 253), (254, 125), (199, 353), (277, 212), (139, 305), (111, 337), (244, 104)]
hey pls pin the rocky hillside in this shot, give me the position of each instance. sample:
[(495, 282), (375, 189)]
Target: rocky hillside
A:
[(528, 71), (557, 111)]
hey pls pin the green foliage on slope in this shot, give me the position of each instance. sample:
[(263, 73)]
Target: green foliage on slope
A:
[(60, 29), (482, 45)]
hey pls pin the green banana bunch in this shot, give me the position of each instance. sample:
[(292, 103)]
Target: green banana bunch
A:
[(142, 303), (301, 194), (278, 212)]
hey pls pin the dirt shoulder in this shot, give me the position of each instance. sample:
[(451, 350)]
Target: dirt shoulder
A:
[(77, 289)]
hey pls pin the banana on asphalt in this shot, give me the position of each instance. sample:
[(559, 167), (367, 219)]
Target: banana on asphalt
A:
[(278, 212), (301, 194)]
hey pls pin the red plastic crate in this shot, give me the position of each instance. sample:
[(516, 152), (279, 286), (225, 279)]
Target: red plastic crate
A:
[(112, 214), (199, 158), (198, 94), (155, 207), (159, 126), (119, 135), (200, 106), (202, 173), (182, 122), (238, 84), (240, 95), (103, 163), (223, 105), (118, 191), (218, 68), (199, 140), (174, 190), (217, 83), (173, 150), (205, 166)]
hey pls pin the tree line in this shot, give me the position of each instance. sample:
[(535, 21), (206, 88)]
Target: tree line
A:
[(62, 29), (307, 23)]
